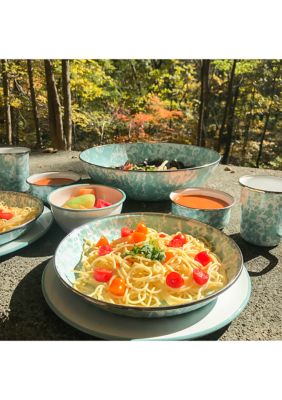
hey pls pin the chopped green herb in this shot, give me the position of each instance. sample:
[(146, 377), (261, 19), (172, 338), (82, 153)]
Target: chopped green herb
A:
[(148, 251)]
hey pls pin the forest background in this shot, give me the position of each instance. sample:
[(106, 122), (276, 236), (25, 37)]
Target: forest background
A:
[(233, 106)]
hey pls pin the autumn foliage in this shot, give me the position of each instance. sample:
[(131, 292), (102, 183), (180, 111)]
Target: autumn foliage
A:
[(157, 116)]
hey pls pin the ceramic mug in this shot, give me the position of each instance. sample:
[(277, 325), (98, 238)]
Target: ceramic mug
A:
[(261, 209), (14, 168)]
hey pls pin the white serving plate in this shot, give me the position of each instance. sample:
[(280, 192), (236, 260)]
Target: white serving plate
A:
[(87, 318)]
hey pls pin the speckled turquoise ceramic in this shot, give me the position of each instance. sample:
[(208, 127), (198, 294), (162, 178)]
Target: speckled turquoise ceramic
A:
[(261, 209), (14, 199), (14, 168), (43, 191), (217, 218), (68, 254), (99, 163)]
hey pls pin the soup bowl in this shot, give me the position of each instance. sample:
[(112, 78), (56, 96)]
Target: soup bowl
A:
[(100, 163), (17, 199), (69, 252), (43, 191), (217, 217)]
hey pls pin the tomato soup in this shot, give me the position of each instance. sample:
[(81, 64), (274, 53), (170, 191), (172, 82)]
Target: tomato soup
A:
[(200, 201), (54, 181)]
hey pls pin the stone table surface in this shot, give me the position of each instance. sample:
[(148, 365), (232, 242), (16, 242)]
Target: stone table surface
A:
[(24, 314)]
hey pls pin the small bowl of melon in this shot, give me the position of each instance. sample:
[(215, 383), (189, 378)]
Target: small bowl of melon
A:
[(76, 205)]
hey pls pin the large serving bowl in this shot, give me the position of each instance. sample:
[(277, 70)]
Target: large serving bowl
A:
[(69, 218), (68, 254), (16, 199), (100, 162)]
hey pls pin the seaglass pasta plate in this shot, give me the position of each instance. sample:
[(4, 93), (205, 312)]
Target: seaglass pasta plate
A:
[(21, 200), (68, 255), (83, 316)]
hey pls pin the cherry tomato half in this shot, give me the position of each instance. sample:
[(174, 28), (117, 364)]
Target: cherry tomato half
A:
[(117, 287), (103, 250), (181, 237), (200, 277), (102, 274), (162, 235), (137, 237), (6, 215), (103, 241), (174, 280), (175, 243), (141, 228), (203, 258), (125, 231), (178, 240), (168, 256)]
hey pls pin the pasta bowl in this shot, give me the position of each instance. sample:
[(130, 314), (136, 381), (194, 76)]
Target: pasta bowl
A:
[(101, 164), (21, 200), (68, 256)]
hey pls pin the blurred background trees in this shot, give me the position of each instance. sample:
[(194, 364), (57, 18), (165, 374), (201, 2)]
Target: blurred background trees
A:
[(233, 106)]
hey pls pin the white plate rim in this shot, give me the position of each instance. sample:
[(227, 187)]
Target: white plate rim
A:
[(19, 243), (116, 337)]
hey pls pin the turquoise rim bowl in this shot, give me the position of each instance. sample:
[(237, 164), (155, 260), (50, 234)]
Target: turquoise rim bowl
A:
[(100, 163), (218, 218), (43, 191), (17, 199), (68, 254)]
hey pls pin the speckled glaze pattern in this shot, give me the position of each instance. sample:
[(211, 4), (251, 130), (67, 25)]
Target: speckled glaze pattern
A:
[(43, 191), (68, 254), (216, 218), (14, 170), (261, 217), (149, 186), (14, 199)]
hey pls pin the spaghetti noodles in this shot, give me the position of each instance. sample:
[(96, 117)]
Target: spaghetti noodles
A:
[(146, 268), (12, 217)]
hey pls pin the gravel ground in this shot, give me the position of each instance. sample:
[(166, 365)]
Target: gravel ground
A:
[(24, 315)]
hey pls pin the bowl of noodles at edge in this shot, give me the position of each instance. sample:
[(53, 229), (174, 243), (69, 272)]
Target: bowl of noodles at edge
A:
[(136, 280), (18, 212), (181, 166)]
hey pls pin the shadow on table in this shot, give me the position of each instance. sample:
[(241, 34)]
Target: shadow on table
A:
[(45, 246), (251, 252), (148, 206), (30, 318)]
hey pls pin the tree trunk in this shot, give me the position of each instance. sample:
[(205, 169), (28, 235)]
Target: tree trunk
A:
[(262, 139), (246, 137), (248, 127), (7, 107), (229, 127), (227, 104), (54, 108), (267, 116), (34, 104), (204, 97), (67, 102), (136, 79), (74, 134)]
